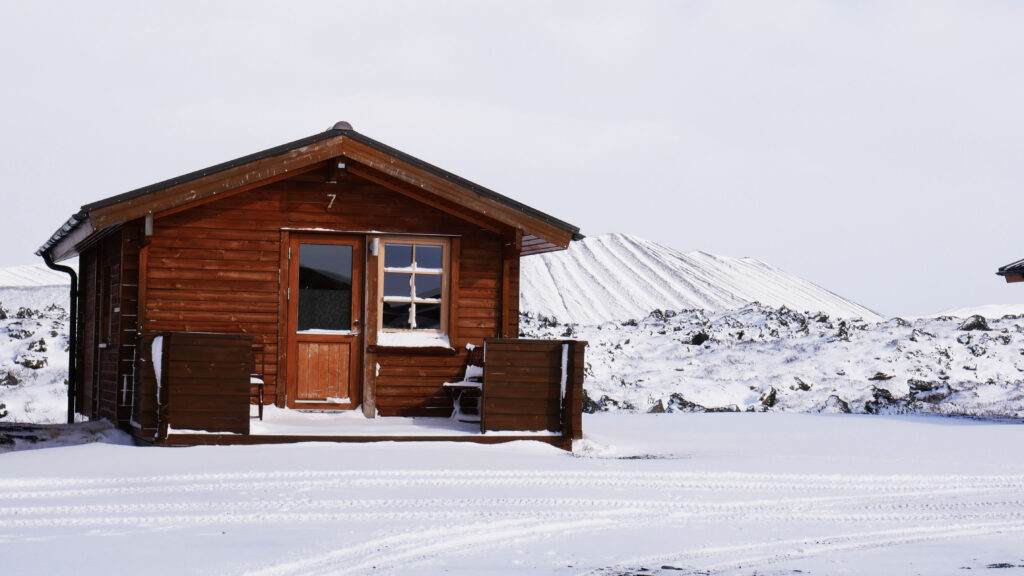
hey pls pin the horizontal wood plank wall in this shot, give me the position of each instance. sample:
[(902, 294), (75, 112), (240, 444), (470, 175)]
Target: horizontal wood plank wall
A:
[(145, 418), (523, 386), (100, 373), (207, 380), (128, 296), (572, 406), (214, 268), (110, 264), (86, 333)]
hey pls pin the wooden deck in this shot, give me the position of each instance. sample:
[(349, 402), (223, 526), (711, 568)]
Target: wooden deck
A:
[(237, 439), (532, 390)]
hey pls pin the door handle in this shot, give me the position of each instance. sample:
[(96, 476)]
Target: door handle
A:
[(355, 323)]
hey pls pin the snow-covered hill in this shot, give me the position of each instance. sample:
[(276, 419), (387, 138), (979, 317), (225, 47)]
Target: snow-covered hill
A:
[(618, 277), (31, 276)]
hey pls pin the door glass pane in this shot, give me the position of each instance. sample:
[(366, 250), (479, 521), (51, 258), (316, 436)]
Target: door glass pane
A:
[(429, 257), (325, 287)]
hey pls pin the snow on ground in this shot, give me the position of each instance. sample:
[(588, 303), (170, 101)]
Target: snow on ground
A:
[(643, 494), (618, 277), (760, 358), (33, 353)]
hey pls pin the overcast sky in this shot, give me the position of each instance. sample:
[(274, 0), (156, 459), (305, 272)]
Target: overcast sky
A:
[(872, 148)]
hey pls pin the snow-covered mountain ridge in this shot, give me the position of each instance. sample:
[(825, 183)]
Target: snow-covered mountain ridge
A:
[(31, 275), (618, 277)]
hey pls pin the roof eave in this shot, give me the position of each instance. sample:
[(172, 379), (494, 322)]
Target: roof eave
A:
[(61, 244)]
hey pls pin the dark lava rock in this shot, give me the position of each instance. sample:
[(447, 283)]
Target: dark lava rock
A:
[(800, 385), (699, 338), (975, 322), (836, 404), (32, 362), (607, 403), (930, 392), (589, 406), (922, 385), (27, 313), (880, 376), (769, 397), (882, 399), (658, 408), (676, 402), (19, 333)]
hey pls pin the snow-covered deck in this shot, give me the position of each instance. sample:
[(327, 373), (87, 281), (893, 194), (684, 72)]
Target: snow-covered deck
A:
[(285, 425), (283, 422)]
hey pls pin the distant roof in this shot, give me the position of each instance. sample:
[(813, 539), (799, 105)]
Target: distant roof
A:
[(1012, 268), (76, 221)]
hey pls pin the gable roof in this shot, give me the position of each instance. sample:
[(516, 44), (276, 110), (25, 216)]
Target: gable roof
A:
[(361, 155), (1013, 272)]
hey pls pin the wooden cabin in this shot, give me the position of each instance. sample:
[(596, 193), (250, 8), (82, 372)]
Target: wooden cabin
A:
[(348, 274), (1012, 272)]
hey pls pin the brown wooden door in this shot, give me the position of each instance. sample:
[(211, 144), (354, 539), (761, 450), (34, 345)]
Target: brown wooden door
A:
[(324, 293)]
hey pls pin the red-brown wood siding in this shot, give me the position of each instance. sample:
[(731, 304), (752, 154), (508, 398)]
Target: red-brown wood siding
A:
[(523, 386), (207, 381), (108, 291), (127, 320), (215, 268)]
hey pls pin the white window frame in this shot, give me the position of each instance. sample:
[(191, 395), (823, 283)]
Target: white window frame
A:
[(445, 274)]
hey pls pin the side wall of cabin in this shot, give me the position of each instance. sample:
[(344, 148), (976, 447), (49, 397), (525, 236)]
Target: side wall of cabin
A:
[(108, 282), (217, 268)]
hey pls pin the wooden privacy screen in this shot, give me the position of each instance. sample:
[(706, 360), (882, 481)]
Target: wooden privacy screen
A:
[(205, 382), (523, 386)]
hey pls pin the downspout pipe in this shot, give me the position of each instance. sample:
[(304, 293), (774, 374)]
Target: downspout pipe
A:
[(72, 332)]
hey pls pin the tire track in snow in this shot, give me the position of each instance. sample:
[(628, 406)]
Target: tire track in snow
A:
[(407, 550), (747, 556), (471, 525), (312, 509), (404, 550), (475, 478)]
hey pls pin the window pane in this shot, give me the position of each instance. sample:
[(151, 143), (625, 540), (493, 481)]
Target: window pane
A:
[(397, 255), (428, 285), (429, 257), (395, 315), (428, 316), (325, 287), (397, 284)]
